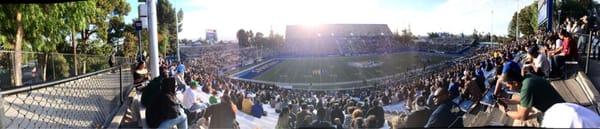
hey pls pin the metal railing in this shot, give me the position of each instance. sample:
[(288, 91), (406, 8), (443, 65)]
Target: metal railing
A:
[(38, 68), (84, 101), (588, 48)]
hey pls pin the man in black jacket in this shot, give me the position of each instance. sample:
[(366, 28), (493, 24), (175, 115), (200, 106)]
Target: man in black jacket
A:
[(150, 94)]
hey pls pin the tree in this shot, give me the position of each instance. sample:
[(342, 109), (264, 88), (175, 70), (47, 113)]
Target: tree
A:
[(19, 24), (405, 37), (49, 28), (167, 25), (511, 26), (250, 38), (259, 40), (433, 35), (475, 35), (527, 17), (101, 30), (242, 37), (180, 20)]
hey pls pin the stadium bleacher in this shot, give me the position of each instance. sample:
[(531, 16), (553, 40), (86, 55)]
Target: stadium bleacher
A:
[(400, 94)]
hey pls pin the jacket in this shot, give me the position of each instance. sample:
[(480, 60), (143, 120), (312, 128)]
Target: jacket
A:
[(247, 106), (221, 116)]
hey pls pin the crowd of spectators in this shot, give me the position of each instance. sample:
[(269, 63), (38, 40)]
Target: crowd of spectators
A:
[(361, 45), (429, 98)]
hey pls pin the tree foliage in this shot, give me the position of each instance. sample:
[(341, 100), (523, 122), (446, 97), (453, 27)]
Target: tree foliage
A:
[(59, 27), (243, 37), (527, 21)]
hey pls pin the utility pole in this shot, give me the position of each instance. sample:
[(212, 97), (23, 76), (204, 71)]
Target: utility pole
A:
[(492, 28), (153, 34), (139, 25), (177, 31)]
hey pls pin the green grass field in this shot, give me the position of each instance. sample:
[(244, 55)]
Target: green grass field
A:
[(336, 69)]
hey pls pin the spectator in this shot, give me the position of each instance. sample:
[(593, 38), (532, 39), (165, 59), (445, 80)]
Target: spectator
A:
[(534, 92), (397, 122), (149, 95), (377, 111), (358, 123), (509, 68), (471, 90), (170, 111), (179, 70), (348, 117), (247, 105), (568, 51), (337, 112), (321, 121), (371, 122), (140, 74), (338, 123), (112, 58), (453, 89), (239, 102), (213, 98), (419, 117), (442, 116), (540, 63), (191, 96), (284, 119), (357, 114), (568, 115), (257, 109), (221, 115), (192, 103), (583, 29), (301, 117)]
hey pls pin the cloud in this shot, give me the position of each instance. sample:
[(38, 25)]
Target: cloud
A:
[(455, 16)]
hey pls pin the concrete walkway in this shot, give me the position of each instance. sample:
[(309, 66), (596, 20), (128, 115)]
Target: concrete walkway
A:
[(82, 103)]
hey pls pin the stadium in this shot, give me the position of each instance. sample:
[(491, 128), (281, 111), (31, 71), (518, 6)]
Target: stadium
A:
[(340, 56), (299, 64)]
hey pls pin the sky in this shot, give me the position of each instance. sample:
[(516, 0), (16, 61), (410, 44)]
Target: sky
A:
[(423, 16)]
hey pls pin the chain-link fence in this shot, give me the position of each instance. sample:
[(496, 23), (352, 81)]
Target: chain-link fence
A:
[(37, 68), (86, 100)]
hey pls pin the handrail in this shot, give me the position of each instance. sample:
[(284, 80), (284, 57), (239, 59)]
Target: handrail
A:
[(52, 83)]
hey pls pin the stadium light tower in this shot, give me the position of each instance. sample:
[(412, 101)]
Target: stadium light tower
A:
[(492, 28)]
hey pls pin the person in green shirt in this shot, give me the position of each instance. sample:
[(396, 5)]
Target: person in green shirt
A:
[(213, 98), (534, 92)]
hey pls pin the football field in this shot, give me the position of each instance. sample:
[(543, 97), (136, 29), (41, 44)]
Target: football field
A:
[(345, 69)]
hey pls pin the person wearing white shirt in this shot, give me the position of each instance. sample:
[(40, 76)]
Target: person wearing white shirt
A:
[(192, 103), (191, 99), (569, 115), (540, 64)]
